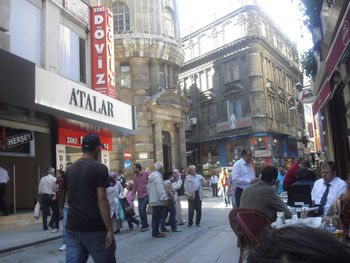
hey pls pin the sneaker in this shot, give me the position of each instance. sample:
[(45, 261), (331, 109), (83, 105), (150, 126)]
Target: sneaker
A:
[(63, 247), (159, 235), (144, 228), (54, 231)]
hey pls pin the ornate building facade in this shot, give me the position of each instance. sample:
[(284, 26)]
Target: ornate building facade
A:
[(240, 73), (148, 57)]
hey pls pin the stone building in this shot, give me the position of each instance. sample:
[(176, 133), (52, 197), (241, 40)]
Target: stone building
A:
[(240, 73), (148, 57)]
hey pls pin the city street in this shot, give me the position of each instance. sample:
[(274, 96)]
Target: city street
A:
[(213, 241)]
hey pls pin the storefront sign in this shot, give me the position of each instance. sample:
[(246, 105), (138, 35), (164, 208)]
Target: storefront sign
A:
[(233, 124), (61, 156), (71, 133), (64, 95), (340, 43), (18, 139), (262, 153), (78, 8), (321, 97), (102, 50)]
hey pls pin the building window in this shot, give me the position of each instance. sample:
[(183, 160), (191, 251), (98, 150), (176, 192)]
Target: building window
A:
[(263, 29), (168, 23), (234, 107), (125, 76), (72, 55), (24, 41), (274, 40), (121, 18)]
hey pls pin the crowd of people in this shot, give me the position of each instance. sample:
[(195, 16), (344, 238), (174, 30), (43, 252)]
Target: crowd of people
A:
[(94, 203)]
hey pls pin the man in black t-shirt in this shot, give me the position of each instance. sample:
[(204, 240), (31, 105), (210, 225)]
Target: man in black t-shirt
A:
[(89, 228)]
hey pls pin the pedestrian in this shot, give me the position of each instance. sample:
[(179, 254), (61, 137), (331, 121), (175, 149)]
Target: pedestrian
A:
[(121, 178), (171, 203), (115, 192), (224, 187), (63, 202), (157, 197), (89, 227), (177, 185), (214, 185), (291, 176), (47, 191), (241, 176), (60, 174), (4, 178), (194, 192), (140, 187), (131, 219), (280, 178)]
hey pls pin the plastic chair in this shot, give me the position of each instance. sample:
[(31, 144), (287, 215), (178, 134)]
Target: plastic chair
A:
[(249, 224)]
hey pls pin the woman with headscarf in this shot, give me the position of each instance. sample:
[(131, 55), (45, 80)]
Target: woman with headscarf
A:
[(114, 191), (176, 184)]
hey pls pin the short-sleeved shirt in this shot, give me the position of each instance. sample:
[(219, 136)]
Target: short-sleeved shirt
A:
[(82, 180)]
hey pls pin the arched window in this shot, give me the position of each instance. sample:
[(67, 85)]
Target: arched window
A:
[(168, 23), (121, 18)]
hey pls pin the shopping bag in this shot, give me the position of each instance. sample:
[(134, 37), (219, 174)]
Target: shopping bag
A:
[(120, 210), (37, 210)]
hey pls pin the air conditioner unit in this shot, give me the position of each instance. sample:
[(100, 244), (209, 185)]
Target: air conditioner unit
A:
[(193, 121)]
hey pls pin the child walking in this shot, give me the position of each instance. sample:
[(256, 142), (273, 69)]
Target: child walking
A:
[(131, 219)]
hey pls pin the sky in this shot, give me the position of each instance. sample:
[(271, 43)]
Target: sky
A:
[(285, 14)]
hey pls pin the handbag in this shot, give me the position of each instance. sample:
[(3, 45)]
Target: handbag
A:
[(121, 214), (37, 210), (129, 212)]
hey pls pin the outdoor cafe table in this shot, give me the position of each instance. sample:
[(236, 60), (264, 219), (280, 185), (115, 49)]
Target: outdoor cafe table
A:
[(314, 222)]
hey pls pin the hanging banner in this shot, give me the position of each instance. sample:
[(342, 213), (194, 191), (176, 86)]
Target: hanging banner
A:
[(105, 158), (102, 51)]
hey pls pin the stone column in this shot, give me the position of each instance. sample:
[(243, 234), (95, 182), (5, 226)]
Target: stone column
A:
[(182, 145), (158, 141), (174, 156)]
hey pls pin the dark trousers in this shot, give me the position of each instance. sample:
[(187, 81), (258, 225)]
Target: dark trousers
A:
[(142, 210), (47, 202), (195, 204), (238, 194), (3, 206), (157, 212), (214, 188), (172, 218), (133, 220)]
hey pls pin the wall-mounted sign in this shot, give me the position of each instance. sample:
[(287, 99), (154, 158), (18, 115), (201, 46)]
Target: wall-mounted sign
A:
[(16, 142), (18, 139), (233, 124), (79, 100), (143, 155), (105, 158), (102, 50), (71, 133)]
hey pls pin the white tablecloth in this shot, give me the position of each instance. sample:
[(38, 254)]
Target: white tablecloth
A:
[(314, 222)]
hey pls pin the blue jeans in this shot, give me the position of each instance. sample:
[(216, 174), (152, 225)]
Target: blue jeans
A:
[(157, 213), (133, 220), (81, 244), (64, 234), (142, 210), (172, 219)]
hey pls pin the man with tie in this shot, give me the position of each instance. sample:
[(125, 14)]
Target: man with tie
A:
[(241, 176), (328, 188)]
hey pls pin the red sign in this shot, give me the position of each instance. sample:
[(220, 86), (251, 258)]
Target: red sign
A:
[(71, 133), (341, 41), (127, 155), (310, 129), (321, 97), (102, 51)]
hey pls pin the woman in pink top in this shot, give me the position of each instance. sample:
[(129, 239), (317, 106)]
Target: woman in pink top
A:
[(129, 198)]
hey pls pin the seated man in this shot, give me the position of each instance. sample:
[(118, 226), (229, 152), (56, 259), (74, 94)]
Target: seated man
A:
[(328, 188), (262, 195), (305, 177)]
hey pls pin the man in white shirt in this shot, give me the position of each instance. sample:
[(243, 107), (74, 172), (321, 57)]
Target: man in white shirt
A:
[(47, 190), (328, 188), (214, 185), (241, 176), (4, 178)]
